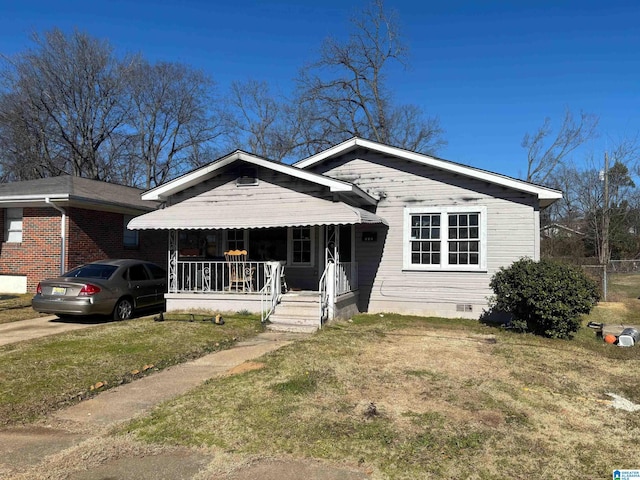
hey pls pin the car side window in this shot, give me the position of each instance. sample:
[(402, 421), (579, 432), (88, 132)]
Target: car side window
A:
[(157, 272), (138, 273)]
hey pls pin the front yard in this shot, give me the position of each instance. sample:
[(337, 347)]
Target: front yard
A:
[(392, 396), (407, 397)]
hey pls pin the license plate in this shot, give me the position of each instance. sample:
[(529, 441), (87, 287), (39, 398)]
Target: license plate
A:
[(58, 291)]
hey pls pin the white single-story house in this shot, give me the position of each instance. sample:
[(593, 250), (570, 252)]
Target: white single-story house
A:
[(360, 227)]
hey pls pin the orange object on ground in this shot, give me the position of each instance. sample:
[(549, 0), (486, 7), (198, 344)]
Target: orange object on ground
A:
[(610, 339)]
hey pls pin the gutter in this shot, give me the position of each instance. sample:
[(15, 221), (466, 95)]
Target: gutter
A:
[(63, 243)]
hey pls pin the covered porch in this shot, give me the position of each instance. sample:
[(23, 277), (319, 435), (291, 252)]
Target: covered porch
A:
[(205, 270), (292, 232), (301, 276)]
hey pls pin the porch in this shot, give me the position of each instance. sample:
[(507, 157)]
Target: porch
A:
[(195, 284)]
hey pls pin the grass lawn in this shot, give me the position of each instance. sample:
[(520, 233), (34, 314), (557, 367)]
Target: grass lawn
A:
[(42, 375), (623, 305), (398, 397), (14, 307), (408, 397)]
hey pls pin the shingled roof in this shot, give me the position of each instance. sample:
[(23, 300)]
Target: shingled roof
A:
[(75, 191)]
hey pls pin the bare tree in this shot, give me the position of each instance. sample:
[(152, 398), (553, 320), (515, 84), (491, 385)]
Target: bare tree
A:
[(260, 120), (602, 202), (170, 118), (345, 94), (69, 89), (24, 151), (546, 152)]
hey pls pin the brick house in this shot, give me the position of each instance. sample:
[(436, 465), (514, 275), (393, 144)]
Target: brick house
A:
[(51, 225)]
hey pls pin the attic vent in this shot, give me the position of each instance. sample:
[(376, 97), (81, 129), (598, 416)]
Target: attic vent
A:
[(464, 307), (247, 178)]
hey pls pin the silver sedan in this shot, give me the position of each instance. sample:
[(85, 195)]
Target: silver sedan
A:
[(108, 287)]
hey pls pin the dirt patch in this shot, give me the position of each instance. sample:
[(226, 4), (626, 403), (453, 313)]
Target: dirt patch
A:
[(616, 307), (246, 367)]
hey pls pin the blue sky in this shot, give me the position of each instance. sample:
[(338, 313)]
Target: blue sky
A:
[(490, 70)]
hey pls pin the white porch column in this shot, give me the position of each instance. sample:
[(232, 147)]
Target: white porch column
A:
[(331, 290), (173, 261)]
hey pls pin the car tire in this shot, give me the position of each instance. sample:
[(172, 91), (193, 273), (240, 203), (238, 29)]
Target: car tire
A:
[(123, 309)]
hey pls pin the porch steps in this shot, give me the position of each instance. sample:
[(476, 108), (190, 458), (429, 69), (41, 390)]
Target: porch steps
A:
[(296, 312)]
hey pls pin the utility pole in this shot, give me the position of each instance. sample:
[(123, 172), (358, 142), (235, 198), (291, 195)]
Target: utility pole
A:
[(605, 227)]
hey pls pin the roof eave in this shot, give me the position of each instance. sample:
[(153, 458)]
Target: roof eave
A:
[(162, 192), (545, 195)]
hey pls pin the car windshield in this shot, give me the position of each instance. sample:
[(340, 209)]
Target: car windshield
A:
[(92, 271)]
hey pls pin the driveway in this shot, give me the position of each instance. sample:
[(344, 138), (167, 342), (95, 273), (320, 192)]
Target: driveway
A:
[(40, 327)]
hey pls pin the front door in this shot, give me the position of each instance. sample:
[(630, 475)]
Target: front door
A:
[(338, 242)]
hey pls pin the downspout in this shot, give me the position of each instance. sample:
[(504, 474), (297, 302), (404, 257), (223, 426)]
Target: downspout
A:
[(63, 243)]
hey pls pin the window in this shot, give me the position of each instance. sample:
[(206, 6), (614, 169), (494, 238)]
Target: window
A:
[(301, 245), (235, 240), (425, 239), (13, 225), (92, 270), (138, 273), (156, 271), (450, 238), (464, 239), (129, 237)]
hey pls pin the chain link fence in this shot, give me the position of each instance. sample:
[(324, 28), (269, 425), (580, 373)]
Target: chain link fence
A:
[(603, 275)]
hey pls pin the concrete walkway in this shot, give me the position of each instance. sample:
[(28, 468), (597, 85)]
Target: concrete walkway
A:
[(136, 398)]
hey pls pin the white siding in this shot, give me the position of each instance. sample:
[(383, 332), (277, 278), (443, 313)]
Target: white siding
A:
[(384, 286)]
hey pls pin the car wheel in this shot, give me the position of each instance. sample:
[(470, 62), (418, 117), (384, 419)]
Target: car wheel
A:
[(123, 310)]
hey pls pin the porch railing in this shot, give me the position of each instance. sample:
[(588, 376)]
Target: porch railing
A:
[(220, 277), (346, 277), (325, 293), (271, 292)]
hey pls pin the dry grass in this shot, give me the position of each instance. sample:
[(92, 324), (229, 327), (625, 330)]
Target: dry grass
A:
[(14, 307), (405, 397)]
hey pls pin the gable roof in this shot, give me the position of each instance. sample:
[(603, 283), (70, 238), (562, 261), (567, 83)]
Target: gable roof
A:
[(545, 195), (162, 192), (72, 190)]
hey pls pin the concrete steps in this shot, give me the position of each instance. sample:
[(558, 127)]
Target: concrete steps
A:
[(296, 312)]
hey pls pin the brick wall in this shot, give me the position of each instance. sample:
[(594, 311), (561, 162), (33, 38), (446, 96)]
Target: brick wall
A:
[(96, 235), (38, 256), (90, 235)]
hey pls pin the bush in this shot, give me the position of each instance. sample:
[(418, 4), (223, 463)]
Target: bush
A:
[(545, 298)]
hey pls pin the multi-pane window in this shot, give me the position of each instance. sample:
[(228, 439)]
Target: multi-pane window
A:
[(425, 239), (235, 239), (464, 239), (445, 238), (301, 245), (13, 225)]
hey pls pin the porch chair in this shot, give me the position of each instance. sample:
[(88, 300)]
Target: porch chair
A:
[(240, 272)]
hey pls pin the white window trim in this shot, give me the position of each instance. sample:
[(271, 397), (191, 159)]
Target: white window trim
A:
[(312, 235), (8, 221), (444, 238)]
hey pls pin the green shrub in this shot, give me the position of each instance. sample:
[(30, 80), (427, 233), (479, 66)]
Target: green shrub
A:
[(545, 297)]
